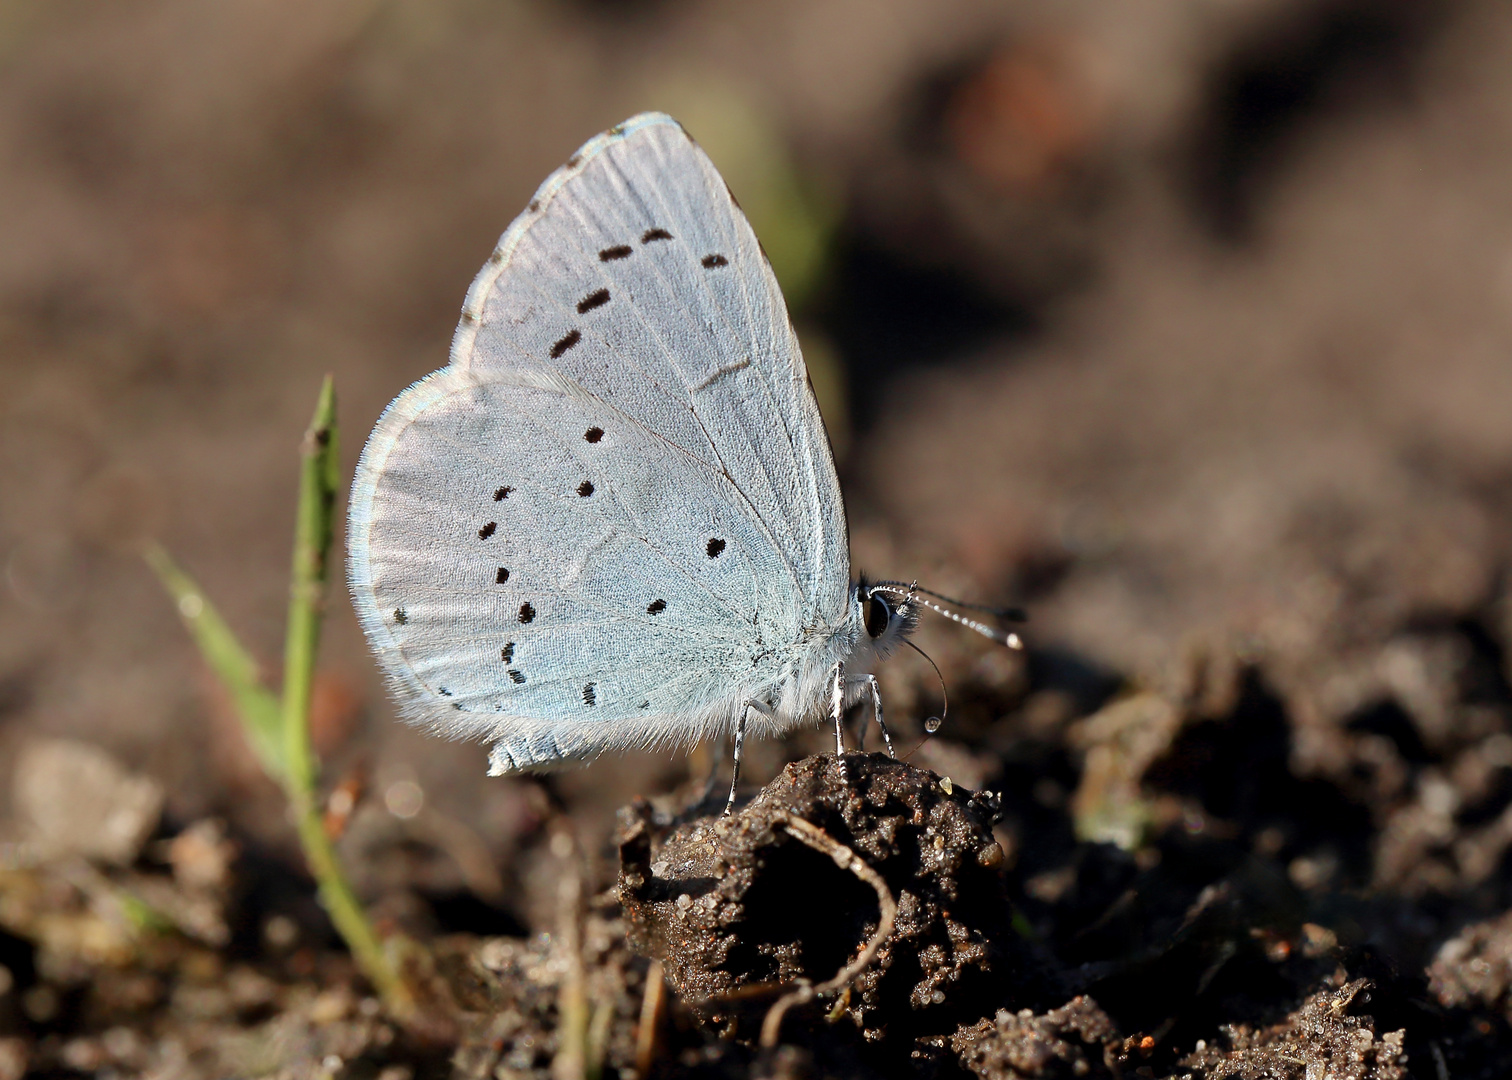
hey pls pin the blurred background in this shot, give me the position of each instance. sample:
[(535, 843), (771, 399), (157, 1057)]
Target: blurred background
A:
[(1186, 324)]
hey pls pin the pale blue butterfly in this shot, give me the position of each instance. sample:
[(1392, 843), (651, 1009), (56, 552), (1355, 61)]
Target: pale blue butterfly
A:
[(613, 520)]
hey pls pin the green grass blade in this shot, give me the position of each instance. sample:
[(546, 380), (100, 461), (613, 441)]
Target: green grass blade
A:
[(314, 529), (280, 732), (235, 668)]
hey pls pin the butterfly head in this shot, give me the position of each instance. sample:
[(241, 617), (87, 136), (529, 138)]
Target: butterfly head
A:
[(888, 614), (890, 610)]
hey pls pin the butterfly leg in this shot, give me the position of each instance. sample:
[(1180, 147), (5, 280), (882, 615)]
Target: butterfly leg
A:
[(740, 746), (838, 707), (869, 682), (876, 696)]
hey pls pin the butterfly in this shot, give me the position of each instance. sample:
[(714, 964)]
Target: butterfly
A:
[(613, 519)]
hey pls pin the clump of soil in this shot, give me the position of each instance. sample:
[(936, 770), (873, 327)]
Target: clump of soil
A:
[(1326, 1037), (1076, 1040), (732, 906)]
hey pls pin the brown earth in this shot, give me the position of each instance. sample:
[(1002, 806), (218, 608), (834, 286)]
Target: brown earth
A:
[(1187, 327)]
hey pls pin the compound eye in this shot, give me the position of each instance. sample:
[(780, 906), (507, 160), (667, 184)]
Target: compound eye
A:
[(878, 615)]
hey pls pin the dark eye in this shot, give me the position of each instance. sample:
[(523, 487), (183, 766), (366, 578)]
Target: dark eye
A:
[(878, 615)]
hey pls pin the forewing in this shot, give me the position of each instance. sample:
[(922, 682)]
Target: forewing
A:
[(636, 274)]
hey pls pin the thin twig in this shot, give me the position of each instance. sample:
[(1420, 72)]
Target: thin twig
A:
[(581, 1022), (652, 1005), (807, 833)]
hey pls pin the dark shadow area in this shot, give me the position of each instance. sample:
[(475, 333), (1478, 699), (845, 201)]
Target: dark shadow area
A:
[(1037, 575), (1318, 61), (1209, 975), (1492, 802), (1388, 719), (1238, 768), (889, 316), (803, 899), (464, 912), (15, 694), (19, 957), (1483, 681), (268, 886), (1090, 685), (1474, 1045)]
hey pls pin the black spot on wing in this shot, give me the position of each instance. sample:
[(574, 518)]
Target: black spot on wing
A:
[(596, 299), (567, 341), (506, 654), (443, 691), (488, 530), (401, 616), (574, 161), (590, 694), (502, 493), (527, 612), (516, 677), (585, 489), (714, 547), (618, 251), (535, 205), (655, 234), (593, 434), (502, 576), (711, 262), (656, 607)]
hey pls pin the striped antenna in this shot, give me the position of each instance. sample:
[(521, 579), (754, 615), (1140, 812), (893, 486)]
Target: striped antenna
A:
[(910, 594)]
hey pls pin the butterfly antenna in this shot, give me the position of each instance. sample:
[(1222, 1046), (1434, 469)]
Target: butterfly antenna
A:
[(933, 723), (910, 594), (1010, 614)]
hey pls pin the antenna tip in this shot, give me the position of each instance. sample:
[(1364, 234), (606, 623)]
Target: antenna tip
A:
[(1013, 641)]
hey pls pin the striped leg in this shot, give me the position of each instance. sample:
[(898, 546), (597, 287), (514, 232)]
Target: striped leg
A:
[(838, 707), (876, 696), (739, 747)]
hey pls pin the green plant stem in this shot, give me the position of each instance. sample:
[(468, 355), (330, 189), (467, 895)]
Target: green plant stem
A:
[(313, 531), (307, 581), (346, 912)]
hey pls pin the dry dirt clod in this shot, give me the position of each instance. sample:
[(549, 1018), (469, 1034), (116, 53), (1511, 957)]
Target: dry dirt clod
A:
[(1329, 1036), (738, 910), (1075, 1040), (1474, 968), (78, 800)]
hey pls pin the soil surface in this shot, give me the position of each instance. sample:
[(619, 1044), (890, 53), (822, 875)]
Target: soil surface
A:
[(1186, 327)]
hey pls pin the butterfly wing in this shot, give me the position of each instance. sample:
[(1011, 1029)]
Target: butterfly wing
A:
[(614, 517)]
